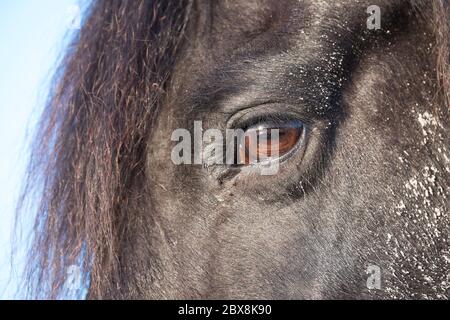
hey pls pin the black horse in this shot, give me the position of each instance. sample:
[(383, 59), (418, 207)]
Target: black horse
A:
[(358, 207)]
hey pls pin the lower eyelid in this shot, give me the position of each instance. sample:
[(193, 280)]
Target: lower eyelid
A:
[(226, 172), (275, 113)]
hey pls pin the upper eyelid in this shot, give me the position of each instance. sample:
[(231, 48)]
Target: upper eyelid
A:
[(279, 123), (272, 111)]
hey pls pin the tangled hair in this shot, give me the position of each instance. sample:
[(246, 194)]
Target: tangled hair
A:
[(90, 151)]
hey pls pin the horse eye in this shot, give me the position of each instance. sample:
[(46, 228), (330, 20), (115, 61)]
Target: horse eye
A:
[(269, 141)]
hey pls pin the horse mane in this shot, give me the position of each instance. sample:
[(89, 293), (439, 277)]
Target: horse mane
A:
[(90, 151)]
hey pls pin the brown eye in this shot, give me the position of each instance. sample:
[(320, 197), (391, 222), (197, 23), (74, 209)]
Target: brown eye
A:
[(269, 141)]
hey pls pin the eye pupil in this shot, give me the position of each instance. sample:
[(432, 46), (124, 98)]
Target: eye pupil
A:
[(269, 141)]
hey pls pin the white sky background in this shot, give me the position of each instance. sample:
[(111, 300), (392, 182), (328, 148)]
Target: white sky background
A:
[(32, 34)]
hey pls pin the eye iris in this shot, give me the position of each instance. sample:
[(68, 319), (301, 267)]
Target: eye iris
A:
[(261, 143)]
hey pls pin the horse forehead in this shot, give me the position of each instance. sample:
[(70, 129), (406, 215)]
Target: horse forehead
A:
[(253, 13), (250, 11), (250, 16), (228, 21)]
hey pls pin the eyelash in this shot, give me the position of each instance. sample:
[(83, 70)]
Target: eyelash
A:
[(273, 118)]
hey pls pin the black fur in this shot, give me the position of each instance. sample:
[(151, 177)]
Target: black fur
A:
[(369, 188)]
